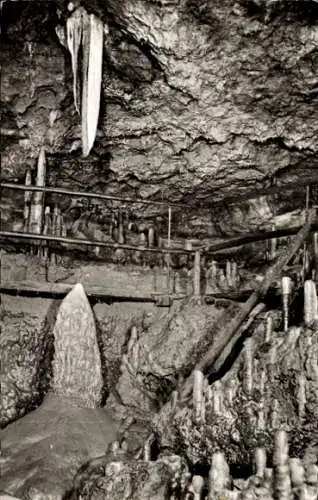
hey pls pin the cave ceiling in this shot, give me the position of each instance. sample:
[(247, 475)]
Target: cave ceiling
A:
[(201, 100)]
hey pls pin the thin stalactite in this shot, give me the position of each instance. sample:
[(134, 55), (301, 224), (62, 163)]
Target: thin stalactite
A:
[(74, 27)]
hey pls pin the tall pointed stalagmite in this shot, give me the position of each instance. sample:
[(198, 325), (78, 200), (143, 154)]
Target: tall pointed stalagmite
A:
[(77, 369)]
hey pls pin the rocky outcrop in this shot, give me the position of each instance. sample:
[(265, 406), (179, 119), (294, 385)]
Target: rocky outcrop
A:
[(26, 354), (163, 479), (157, 355)]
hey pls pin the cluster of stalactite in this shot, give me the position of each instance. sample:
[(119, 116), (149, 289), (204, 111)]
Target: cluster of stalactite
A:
[(86, 31)]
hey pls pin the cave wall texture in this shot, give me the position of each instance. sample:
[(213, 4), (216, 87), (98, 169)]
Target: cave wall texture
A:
[(199, 99)]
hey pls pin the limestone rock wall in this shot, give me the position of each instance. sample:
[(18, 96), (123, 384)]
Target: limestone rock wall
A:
[(199, 99)]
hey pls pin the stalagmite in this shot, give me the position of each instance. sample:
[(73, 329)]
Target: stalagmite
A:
[(248, 365), (219, 477), (222, 283), (261, 404), (132, 340), (151, 237), (92, 41), (260, 462), (297, 472), (282, 483), (147, 450), (234, 274), (209, 399), (47, 230), (114, 447), (273, 246), (197, 395), (315, 255), (36, 216), (214, 271), (306, 261), (217, 398), (269, 328), (27, 202), (310, 303), (228, 273), (196, 487), (142, 240), (121, 237), (275, 417), (273, 354), (230, 392), (286, 288), (74, 27), (72, 371)]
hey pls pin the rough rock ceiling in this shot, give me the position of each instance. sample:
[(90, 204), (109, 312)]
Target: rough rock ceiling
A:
[(200, 99)]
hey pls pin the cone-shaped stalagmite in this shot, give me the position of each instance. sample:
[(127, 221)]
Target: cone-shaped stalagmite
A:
[(77, 376)]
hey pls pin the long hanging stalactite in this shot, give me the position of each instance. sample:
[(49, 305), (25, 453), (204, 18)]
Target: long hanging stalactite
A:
[(92, 79), (74, 31), (86, 30)]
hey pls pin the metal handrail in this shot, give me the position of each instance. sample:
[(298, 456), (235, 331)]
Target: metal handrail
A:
[(98, 243), (84, 194)]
